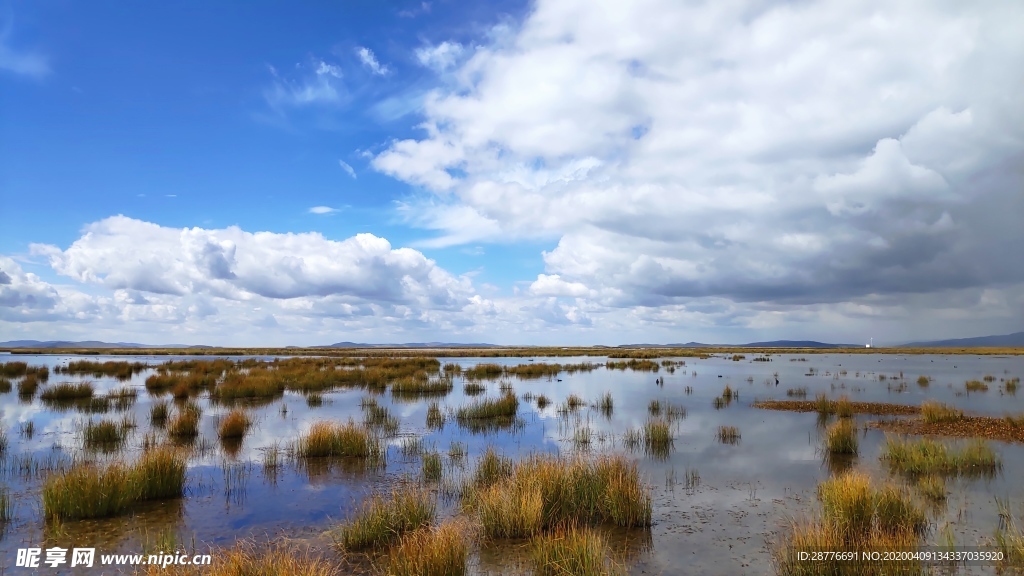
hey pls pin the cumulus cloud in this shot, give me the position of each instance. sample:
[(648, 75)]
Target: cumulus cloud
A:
[(369, 60), (778, 153)]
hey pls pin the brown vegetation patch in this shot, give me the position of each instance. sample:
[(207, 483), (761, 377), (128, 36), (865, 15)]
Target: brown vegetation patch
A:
[(1003, 429), (876, 408)]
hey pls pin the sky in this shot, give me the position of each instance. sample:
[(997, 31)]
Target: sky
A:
[(571, 172)]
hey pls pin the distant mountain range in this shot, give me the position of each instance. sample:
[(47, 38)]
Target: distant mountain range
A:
[(1008, 340), (87, 344), (1004, 341)]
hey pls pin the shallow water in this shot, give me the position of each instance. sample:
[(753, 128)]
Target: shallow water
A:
[(722, 525)]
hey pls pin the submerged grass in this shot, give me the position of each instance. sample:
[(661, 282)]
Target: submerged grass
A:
[(728, 434), (384, 518), (435, 417)]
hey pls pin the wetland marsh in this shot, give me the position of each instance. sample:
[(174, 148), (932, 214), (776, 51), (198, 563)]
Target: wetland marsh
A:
[(492, 465)]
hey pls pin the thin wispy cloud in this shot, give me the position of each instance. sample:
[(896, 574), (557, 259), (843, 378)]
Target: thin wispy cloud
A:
[(322, 210), (20, 61), (347, 168), (315, 84), (370, 61)]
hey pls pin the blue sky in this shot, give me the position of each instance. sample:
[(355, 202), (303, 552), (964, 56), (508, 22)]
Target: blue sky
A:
[(548, 172)]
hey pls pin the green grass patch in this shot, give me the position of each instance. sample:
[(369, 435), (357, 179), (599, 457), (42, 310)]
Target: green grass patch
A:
[(934, 412), (926, 456), (383, 519), (841, 437), (329, 439), (440, 551)]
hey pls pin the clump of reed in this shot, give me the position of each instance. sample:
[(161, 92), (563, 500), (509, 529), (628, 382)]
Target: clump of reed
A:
[(926, 456), (348, 440), (431, 467), (572, 403), (654, 407), (1009, 540), (27, 429), (931, 487), (843, 408), (506, 406), (571, 551), (728, 394), (89, 491), (13, 369), (104, 435), (492, 468), (160, 383), (483, 370), (314, 399), (934, 412), (452, 368), (543, 491), (234, 425), (378, 417), (413, 387), (800, 392), (855, 517), (543, 401), (474, 388), (728, 434), (606, 405), (5, 385), (841, 437), (3, 440), (435, 417), (437, 551), (6, 505), (28, 386), (1011, 385), (383, 519), (185, 423), (923, 381), (160, 474), (975, 386), (254, 384), (158, 413)]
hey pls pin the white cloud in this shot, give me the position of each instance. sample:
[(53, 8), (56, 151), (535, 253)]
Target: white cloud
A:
[(26, 63), (322, 210), (348, 169), (368, 59), (317, 83), (441, 57), (780, 153)]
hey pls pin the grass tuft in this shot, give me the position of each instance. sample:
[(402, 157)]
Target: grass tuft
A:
[(348, 440), (384, 518), (934, 412), (440, 551), (841, 437), (571, 551), (926, 456), (234, 425)]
